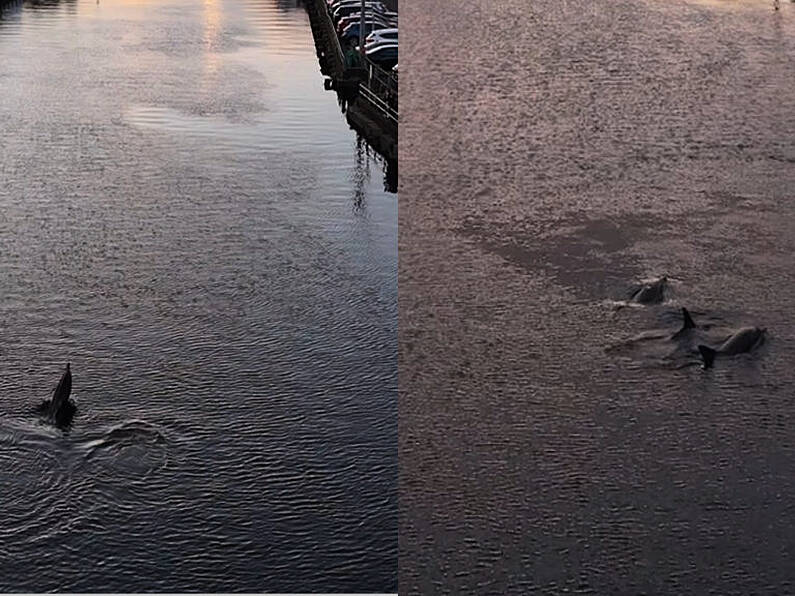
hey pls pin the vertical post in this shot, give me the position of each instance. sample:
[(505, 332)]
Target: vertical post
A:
[(361, 31)]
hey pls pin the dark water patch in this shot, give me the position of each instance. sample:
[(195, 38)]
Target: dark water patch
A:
[(590, 257)]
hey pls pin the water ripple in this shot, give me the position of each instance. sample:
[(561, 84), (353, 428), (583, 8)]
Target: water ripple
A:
[(186, 217), (558, 154)]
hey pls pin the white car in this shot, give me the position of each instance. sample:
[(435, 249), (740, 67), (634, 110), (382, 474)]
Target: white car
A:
[(335, 4), (348, 8), (381, 35), (371, 45)]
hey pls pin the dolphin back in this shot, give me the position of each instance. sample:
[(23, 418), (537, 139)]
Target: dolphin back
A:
[(651, 293), (743, 340)]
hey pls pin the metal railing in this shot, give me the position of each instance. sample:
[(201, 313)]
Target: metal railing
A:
[(379, 104), (335, 41), (376, 86), (381, 90)]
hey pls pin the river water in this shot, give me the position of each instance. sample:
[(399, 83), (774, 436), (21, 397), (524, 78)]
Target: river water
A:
[(554, 154), (186, 217)]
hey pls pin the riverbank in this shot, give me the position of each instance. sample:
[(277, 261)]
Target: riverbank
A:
[(368, 94)]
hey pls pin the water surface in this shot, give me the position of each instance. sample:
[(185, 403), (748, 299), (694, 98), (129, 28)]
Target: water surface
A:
[(186, 217), (558, 155)]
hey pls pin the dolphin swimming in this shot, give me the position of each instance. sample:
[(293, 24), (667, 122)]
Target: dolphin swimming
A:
[(650, 293), (60, 409), (743, 340), (660, 340), (687, 324)]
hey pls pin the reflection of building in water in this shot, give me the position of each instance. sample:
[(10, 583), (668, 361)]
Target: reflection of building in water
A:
[(361, 173), (287, 5), (381, 143), (378, 146), (13, 6), (367, 157), (69, 5), (367, 96), (390, 175)]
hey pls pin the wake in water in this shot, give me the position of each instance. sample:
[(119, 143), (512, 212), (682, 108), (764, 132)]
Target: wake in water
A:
[(131, 433), (689, 346), (692, 344), (57, 482), (646, 292), (134, 446)]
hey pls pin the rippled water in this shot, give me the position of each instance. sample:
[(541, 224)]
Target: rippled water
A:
[(560, 154), (186, 217)]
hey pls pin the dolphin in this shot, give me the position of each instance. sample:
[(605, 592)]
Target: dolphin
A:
[(650, 293), (681, 336), (687, 324), (742, 340), (60, 410)]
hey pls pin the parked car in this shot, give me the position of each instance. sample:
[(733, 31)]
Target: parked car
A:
[(335, 4), (385, 56), (349, 9), (382, 35), (377, 44), (356, 18), (382, 49), (351, 32)]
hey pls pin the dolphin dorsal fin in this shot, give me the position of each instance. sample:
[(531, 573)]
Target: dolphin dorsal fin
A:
[(688, 320), (708, 355)]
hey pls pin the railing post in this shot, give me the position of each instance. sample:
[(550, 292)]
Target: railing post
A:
[(361, 31)]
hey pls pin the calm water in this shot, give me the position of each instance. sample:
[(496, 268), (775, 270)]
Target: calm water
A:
[(186, 217), (589, 146)]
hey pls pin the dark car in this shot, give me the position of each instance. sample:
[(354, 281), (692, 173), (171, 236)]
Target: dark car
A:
[(386, 56), (369, 47), (351, 32)]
